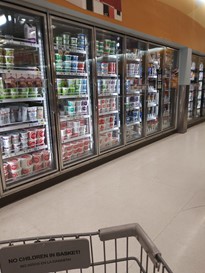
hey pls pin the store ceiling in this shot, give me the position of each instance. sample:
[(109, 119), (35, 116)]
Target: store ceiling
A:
[(193, 8)]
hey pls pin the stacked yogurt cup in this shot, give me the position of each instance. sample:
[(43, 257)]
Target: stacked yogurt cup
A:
[(75, 149), (26, 164)]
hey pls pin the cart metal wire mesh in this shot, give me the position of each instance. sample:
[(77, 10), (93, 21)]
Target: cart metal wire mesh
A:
[(119, 249)]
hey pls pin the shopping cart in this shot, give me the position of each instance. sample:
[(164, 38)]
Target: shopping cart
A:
[(113, 249)]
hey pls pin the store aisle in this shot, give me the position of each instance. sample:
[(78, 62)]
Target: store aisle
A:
[(160, 186)]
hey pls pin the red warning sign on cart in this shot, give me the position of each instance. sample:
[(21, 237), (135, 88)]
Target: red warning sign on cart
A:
[(45, 256)]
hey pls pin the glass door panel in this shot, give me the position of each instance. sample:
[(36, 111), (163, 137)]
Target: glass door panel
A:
[(200, 89), (154, 89), (25, 122), (170, 85), (73, 84), (134, 79), (193, 90), (109, 77)]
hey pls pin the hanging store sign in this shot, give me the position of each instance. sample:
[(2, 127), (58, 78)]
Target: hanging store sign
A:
[(109, 8), (45, 256)]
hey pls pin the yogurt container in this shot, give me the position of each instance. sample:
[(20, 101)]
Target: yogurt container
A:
[(32, 143), (24, 134), (45, 155), (40, 132), (37, 157), (26, 160), (27, 170), (16, 173), (40, 141), (7, 150), (32, 134), (17, 147), (38, 166), (14, 163)]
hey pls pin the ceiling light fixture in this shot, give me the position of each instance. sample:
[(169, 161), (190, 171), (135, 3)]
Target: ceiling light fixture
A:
[(2, 19)]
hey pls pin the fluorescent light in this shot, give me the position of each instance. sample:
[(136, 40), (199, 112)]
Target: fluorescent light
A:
[(9, 18), (200, 2), (2, 19)]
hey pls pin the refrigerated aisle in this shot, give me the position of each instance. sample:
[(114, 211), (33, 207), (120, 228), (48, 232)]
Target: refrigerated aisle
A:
[(26, 142)]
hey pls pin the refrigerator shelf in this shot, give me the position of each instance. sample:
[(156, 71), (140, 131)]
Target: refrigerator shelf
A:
[(77, 157), (14, 69), (4, 41), (18, 180), (109, 130), (69, 50), (73, 96), (132, 123), (68, 118), (107, 75), (25, 151), (107, 113), (151, 118), (107, 95), (76, 138), (130, 60), (133, 93), (112, 144), (106, 57), (22, 125), (133, 76), (128, 108), (21, 100), (151, 91), (152, 77), (72, 74), (151, 104)]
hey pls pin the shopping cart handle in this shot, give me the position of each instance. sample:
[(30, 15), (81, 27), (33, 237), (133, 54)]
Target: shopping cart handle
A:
[(131, 230)]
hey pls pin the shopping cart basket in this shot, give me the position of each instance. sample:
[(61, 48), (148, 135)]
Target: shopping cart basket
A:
[(113, 249)]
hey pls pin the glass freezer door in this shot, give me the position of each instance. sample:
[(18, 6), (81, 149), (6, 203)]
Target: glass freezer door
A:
[(134, 80), (200, 91), (170, 85), (26, 139), (109, 77), (193, 89), (154, 89), (72, 59)]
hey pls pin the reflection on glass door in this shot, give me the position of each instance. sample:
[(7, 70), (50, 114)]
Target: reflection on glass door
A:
[(109, 75), (72, 51), (170, 84), (25, 135), (154, 88), (135, 78)]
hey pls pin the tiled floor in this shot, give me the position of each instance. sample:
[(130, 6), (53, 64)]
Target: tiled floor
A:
[(161, 186)]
